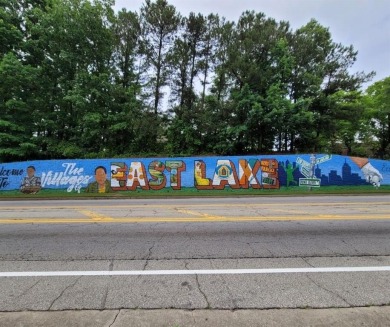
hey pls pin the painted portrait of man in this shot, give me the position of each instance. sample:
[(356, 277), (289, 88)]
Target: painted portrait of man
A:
[(31, 184), (101, 184)]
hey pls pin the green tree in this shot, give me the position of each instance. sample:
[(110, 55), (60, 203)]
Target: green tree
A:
[(78, 80), (349, 111), (254, 59), (11, 35), (321, 69), (186, 56), (250, 128), (252, 56), (127, 119), (127, 31), (377, 100), (159, 23), (18, 86), (78, 46), (208, 52), (222, 81)]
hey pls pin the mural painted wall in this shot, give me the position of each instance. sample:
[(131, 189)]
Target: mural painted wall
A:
[(203, 173)]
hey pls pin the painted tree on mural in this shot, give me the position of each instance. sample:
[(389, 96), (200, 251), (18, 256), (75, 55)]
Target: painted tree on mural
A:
[(78, 80)]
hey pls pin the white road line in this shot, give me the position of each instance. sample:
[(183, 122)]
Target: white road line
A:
[(193, 272)]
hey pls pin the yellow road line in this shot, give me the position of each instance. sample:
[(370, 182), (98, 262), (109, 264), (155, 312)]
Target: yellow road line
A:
[(178, 205), (289, 211), (196, 213), (187, 219), (94, 215)]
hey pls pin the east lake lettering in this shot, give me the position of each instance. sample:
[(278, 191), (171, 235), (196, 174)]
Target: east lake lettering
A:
[(255, 173)]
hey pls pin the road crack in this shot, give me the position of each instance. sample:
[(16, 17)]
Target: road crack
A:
[(322, 287), (116, 316), (104, 299), (29, 289), (63, 291), (111, 265), (202, 292), (307, 262), (328, 290), (150, 250), (149, 255)]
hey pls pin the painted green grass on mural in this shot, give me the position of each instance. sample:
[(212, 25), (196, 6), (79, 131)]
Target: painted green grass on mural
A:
[(193, 192)]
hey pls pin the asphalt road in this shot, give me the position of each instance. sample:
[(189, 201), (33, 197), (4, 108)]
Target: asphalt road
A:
[(209, 253)]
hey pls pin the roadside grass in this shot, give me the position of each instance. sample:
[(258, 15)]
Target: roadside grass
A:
[(193, 192)]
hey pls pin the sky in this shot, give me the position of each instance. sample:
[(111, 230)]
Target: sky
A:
[(365, 24)]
